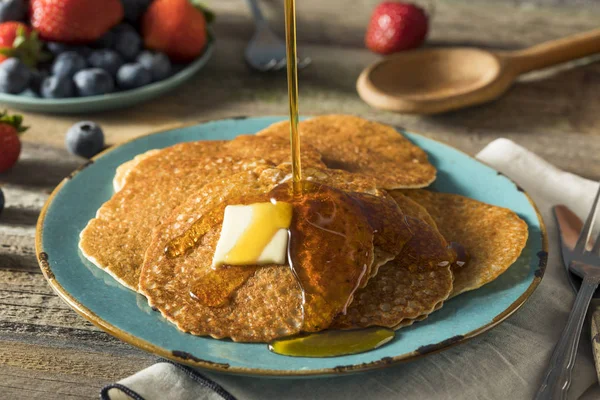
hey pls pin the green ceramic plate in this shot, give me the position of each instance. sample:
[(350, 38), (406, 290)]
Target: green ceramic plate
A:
[(126, 315), (113, 101)]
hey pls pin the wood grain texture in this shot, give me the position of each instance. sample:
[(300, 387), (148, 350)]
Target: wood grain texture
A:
[(49, 352)]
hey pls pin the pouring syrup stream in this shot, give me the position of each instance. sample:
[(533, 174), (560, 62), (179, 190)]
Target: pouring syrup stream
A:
[(292, 79)]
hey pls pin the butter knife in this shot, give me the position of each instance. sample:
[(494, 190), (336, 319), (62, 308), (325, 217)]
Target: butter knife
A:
[(569, 226)]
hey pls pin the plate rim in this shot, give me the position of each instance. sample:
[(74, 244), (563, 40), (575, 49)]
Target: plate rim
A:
[(194, 361)]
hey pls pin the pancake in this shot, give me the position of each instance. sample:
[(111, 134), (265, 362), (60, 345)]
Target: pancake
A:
[(412, 208), (125, 169), (258, 304), (273, 149), (493, 236), (410, 321), (384, 215), (357, 145), (116, 239), (409, 287)]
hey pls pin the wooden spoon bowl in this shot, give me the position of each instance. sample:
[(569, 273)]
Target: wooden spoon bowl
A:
[(430, 81)]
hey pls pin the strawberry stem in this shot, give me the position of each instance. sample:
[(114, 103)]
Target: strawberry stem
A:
[(27, 48), (16, 121)]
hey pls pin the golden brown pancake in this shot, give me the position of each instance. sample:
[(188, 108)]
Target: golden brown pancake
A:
[(410, 321), (116, 239), (357, 145), (275, 150), (407, 288), (412, 208), (125, 169), (493, 236), (266, 302), (390, 235)]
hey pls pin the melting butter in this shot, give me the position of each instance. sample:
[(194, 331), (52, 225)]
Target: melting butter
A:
[(333, 343), (254, 234)]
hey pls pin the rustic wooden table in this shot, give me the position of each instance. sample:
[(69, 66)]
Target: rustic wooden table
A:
[(47, 351)]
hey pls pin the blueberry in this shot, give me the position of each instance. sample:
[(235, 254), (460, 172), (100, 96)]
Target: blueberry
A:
[(57, 48), (128, 42), (134, 9), (12, 10), (1, 200), (85, 51), (106, 41), (37, 77), (120, 28), (108, 60), (93, 82), (85, 139), (57, 87), (14, 76), (68, 63), (133, 75), (158, 64)]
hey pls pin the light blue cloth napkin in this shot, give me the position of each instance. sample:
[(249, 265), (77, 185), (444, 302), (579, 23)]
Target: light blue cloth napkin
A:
[(505, 363)]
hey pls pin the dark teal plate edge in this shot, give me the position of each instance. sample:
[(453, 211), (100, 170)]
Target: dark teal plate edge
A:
[(192, 360)]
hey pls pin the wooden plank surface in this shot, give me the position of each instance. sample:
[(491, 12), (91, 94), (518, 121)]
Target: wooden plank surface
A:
[(47, 351)]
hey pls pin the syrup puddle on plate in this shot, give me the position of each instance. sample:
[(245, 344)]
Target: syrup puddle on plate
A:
[(333, 343)]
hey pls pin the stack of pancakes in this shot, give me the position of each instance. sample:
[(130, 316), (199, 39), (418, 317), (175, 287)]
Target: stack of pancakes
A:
[(410, 269)]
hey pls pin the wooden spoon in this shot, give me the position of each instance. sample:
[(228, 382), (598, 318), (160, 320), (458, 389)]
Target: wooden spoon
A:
[(430, 81)]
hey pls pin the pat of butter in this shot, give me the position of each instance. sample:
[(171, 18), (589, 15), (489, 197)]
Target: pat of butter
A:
[(254, 234)]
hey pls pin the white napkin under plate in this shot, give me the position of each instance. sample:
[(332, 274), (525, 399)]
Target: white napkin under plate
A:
[(506, 363)]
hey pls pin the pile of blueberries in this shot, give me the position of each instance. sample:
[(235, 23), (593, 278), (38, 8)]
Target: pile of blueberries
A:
[(117, 61)]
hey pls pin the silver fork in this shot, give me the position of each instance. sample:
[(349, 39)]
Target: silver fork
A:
[(586, 264), (266, 51)]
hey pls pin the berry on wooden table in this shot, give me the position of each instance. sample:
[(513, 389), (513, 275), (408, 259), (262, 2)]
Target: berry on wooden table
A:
[(68, 64), (176, 28), (74, 21), (58, 87), (133, 75), (158, 64), (14, 76), (13, 10), (396, 26), (10, 144), (85, 139), (93, 82)]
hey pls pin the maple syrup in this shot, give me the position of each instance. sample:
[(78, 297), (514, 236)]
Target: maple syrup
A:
[(333, 343), (462, 256), (326, 230), (292, 80)]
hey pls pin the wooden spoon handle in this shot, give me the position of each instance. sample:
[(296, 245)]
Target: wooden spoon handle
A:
[(555, 51)]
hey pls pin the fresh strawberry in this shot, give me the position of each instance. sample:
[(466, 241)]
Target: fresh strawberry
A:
[(74, 21), (8, 34), (10, 145), (176, 28), (396, 26), (17, 40)]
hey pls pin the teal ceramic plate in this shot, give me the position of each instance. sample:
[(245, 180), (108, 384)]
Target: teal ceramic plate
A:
[(79, 105), (124, 314)]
